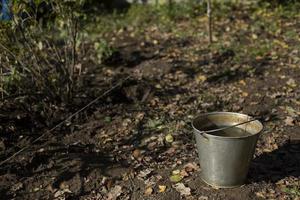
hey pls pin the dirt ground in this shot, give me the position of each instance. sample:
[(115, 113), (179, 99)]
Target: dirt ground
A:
[(117, 149)]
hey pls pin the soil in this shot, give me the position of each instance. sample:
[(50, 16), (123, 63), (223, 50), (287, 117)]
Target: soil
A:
[(117, 148)]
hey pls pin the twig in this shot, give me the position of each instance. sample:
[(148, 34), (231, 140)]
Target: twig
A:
[(209, 11), (12, 54), (2, 85), (29, 46), (65, 120), (74, 33)]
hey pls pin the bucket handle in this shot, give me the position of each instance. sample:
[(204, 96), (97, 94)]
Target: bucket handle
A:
[(201, 133), (223, 128)]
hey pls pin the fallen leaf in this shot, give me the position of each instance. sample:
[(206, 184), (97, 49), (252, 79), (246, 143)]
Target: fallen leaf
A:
[(158, 86), (169, 138), (176, 178), (260, 194), (182, 189), (201, 78), (153, 123), (254, 36), (109, 184), (152, 145), (58, 193), (242, 82), (281, 43), (162, 188), (291, 111), (145, 173), (203, 198), (245, 94), (291, 82), (136, 153), (171, 150), (191, 167), (17, 186), (289, 121), (183, 173), (51, 189), (63, 185), (148, 191), (114, 193), (107, 119), (175, 172)]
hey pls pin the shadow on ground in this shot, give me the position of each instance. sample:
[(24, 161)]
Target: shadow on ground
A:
[(276, 165), (77, 168)]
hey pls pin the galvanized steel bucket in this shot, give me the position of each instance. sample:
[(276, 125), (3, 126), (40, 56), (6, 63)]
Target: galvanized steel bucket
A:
[(225, 160)]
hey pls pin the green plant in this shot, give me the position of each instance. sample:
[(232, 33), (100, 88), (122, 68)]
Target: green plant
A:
[(44, 55), (294, 191), (102, 50)]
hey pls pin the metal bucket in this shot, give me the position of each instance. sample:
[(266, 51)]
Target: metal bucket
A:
[(225, 160)]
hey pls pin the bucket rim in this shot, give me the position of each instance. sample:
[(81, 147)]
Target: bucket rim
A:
[(207, 135)]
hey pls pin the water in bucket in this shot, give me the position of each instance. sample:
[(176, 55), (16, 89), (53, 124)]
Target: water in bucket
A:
[(231, 132)]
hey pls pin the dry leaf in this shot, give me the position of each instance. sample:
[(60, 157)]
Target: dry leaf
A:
[(182, 189), (203, 198), (176, 178), (291, 82), (114, 193), (171, 150), (281, 43), (201, 78), (136, 153), (109, 184), (254, 36), (144, 173), (191, 167), (58, 193), (245, 94), (242, 82), (291, 111), (162, 188), (148, 191), (183, 173), (17, 186), (169, 138), (289, 121), (260, 194)]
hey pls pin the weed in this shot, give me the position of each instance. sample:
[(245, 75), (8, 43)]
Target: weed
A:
[(294, 191), (140, 17), (102, 50), (155, 124), (45, 55)]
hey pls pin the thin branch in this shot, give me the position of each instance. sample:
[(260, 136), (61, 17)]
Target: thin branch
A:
[(12, 54), (209, 15), (2, 84), (65, 120)]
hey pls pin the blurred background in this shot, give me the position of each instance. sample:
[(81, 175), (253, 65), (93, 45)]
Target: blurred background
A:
[(156, 64)]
